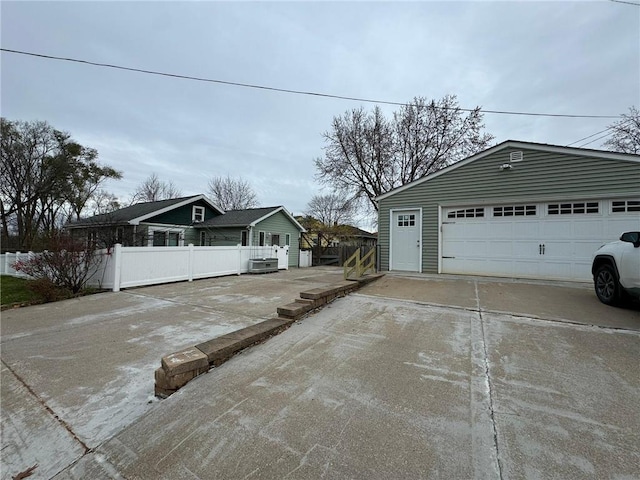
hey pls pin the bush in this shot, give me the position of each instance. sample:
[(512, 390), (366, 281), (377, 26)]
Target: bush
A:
[(47, 291), (68, 264)]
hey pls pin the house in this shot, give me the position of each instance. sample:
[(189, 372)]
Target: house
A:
[(161, 223), (339, 236), (269, 226), (518, 209)]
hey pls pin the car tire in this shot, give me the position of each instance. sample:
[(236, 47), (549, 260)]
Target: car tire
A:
[(606, 284)]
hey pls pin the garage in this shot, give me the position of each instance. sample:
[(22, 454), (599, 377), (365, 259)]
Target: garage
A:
[(519, 209), (533, 240)]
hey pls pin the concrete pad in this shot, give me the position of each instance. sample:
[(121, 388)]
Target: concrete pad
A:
[(92, 359), (461, 293), (576, 303), (246, 294), (51, 450), (563, 301), (564, 399), (366, 388)]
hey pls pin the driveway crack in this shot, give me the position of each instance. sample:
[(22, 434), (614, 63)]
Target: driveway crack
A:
[(49, 410), (481, 363)]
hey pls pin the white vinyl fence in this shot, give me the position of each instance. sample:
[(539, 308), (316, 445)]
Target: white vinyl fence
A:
[(306, 258), (7, 260), (136, 266), (124, 267)]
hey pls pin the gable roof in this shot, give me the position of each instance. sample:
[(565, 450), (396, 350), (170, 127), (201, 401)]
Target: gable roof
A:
[(134, 214), (351, 231), (247, 218), (542, 147)]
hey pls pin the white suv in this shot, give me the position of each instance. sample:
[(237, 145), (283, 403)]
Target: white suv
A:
[(616, 269)]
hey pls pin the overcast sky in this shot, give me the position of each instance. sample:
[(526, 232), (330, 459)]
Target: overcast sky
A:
[(579, 58)]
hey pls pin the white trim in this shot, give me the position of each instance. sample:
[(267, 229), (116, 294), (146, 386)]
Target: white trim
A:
[(391, 224), (165, 228), (516, 144), (198, 210), (439, 239), (187, 201), (273, 212)]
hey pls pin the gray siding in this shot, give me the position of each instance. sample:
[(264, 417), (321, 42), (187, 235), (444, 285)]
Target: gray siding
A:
[(541, 176), (280, 224)]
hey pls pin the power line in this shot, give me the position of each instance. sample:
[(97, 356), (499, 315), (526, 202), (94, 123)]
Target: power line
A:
[(282, 90), (595, 140), (612, 127), (592, 135), (628, 3)]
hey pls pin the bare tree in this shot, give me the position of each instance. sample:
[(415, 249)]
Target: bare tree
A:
[(104, 202), (153, 189), (367, 155), (44, 176), (331, 210), (232, 193), (626, 133)]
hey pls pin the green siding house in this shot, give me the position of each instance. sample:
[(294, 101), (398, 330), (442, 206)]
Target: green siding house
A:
[(270, 226), (161, 223), (518, 209), (192, 220)]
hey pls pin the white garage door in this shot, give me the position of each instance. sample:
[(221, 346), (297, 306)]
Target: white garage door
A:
[(552, 240)]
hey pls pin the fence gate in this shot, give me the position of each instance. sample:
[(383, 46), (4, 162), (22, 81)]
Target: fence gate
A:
[(283, 257)]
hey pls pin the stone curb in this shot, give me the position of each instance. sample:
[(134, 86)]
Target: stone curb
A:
[(179, 368)]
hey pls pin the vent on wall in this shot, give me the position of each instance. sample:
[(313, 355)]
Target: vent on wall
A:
[(515, 157)]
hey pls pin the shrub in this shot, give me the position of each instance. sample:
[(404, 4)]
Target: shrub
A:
[(68, 264), (47, 291)]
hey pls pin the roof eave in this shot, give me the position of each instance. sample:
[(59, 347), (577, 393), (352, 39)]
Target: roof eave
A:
[(514, 144)]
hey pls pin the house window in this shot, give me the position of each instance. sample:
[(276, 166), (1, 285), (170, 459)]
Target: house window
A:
[(467, 213), (203, 239), (406, 220), (159, 239), (119, 234), (621, 206), (261, 239), (275, 239), (287, 239), (245, 238), (573, 208), (514, 210), (198, 214)]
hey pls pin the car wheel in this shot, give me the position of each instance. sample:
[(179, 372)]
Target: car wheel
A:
[(606, 285)]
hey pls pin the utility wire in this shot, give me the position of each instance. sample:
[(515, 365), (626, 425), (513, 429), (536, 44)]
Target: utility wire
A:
[(595, 140), (628, 3), (612, 127), (592, 135), (283, 90)]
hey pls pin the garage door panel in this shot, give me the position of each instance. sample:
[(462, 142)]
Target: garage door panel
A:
[(553, 245)]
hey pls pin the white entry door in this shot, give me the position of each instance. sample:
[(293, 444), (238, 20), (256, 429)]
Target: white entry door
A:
[(406, 245)]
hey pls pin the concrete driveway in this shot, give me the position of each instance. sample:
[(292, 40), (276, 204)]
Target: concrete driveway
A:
[(412, 377)]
